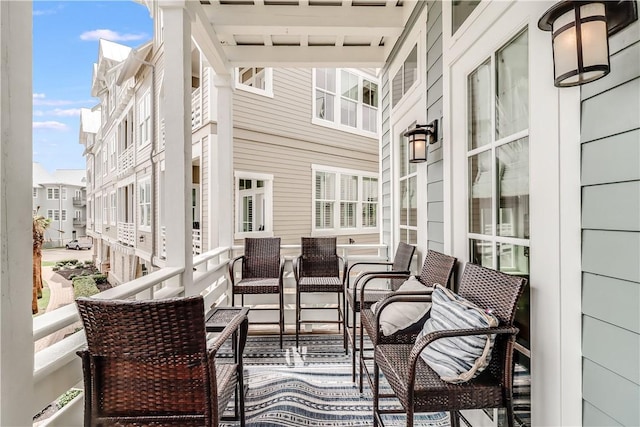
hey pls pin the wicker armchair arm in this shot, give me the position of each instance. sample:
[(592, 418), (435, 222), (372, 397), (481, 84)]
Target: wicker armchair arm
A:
[(345, 266), (296, 267), (281, 275), (231, 265), (232, 327), (365, 263), (369, 276), (427, 339)]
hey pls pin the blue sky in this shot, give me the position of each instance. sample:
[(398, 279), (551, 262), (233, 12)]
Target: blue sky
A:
[(65, 46)]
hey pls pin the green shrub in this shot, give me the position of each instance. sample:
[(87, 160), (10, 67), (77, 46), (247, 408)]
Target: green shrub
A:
[(73, 276), (66, 261), (100, 278), (84, 286), (88, 262), (56, 268), (67, 397)]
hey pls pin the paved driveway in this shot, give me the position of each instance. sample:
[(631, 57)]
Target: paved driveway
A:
[(58, 254)]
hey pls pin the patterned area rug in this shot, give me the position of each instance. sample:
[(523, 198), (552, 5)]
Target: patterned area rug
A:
[(310, 387)]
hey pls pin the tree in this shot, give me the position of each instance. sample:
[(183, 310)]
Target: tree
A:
[(40, 225)]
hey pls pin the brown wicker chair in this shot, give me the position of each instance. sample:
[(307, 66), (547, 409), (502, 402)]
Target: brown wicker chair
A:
[(262, 273), (147, 363), (420, 389), (317, 269), (437, 268), (401, 264)]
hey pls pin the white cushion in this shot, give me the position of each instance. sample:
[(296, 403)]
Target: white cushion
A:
[(457, 359), (400, 315)]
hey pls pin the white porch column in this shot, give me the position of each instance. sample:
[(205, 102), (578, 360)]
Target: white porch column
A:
[(177, 113), (222, 165), (16, 324)]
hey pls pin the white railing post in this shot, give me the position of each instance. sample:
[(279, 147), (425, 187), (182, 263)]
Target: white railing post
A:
[(16, 344), (177, 105)]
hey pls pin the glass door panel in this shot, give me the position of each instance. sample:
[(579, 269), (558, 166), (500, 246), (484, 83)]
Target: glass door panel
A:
[(480, 200), (512, 170)]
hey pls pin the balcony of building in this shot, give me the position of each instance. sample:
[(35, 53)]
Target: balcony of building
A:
[(126, 234), (80, 201), (79, 222)]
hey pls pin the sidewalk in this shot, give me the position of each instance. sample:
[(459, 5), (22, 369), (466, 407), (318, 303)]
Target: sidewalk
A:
[(61, 294)]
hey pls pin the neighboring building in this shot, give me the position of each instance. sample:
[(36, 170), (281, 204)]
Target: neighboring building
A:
[(305, 156), (61, 197)]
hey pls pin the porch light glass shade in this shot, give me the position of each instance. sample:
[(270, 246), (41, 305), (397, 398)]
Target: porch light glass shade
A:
[(580, 45), (417, 146)]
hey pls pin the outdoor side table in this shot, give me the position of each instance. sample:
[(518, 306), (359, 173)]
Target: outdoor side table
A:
[(216, 320)]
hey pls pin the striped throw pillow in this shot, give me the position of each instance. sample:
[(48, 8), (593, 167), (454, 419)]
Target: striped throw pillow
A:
[(457, 359)]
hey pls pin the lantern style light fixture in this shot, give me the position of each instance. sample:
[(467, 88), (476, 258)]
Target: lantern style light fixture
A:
[(419, 138), (580, 33)]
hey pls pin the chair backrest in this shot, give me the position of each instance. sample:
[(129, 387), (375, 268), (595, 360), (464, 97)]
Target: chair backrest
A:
[(437, 268), (261, 258), (492, 290), (402, 262), (147, 357), (498, 292), (319, 257)]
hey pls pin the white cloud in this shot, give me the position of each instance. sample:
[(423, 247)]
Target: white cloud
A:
[(40, 99), (50, 125), (51, 11), (39, 96), (111, 35), (65, 112), (38, 113)]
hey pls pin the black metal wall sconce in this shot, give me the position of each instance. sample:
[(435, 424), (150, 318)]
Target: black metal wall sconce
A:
[(580, 32), (419, 139), (141, 238)]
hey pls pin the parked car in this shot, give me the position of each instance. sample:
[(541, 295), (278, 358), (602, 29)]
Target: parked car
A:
[(77, 245)]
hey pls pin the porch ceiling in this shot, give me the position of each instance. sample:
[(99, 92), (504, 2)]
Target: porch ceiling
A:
[(298, 33)]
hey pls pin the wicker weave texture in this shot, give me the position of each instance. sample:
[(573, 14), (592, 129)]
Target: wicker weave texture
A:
[(147, 363), (261, 258), (437, 268), (319, 257), (413, 381), (402, 262)]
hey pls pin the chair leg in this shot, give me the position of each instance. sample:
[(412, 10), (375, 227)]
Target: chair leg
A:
[(297, 317), (281, 318), (510, 414), (241, 399), (454, 421), (376, 394), (361, 355), (341, 319), (353, 346)]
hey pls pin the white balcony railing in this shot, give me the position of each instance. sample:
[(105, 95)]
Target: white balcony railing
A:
[(163, 242), (196, 109), (125, 161), (57, 368), (127, 233), (163, 134)]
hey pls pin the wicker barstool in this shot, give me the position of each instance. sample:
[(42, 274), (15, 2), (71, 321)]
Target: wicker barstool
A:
[(147, 363), (262, 273), (420, 389), (437, 268), (399, 267), (317, 269)]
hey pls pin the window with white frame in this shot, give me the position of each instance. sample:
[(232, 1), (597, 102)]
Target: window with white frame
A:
[(105, 209), (77, 214), (255, 79), (78, 194), (105, 160), (405, 77), (98, 213), (113, 160), (35, 193), (111, 97), (144, 120), (356, 106), (254, 206), (344, 201), (53, 193), (64, 194), (114, 208), (144, 204), (64, 215)]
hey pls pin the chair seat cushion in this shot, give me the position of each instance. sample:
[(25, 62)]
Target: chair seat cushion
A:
[(457, 359), (402, 315), (431, 393), (257, 286), (320, 284), (404, 336)]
